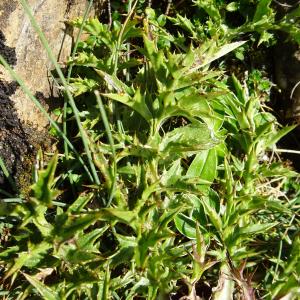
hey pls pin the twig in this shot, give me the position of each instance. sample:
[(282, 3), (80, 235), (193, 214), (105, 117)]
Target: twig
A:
[(285, 4), (109, 13), (168, 7), (286, 151), (294, 88)]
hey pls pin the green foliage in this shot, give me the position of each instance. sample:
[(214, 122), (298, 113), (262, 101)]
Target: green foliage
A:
[(178, 183)]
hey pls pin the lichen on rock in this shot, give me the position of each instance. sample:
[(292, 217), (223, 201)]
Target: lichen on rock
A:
[(23, 128), (15, 148)]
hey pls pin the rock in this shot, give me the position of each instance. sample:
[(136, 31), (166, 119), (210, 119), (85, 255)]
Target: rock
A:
[(33, 64), (22, 126)]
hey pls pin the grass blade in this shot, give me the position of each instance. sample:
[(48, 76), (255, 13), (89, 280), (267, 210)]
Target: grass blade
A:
[(111, 142), (86, 13), (44, 291), (7, 175), (83, 133)]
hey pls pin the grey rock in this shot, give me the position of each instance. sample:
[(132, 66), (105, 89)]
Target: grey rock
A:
[(23, 128), (33, 64)]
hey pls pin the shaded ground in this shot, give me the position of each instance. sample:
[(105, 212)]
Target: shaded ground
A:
[(15, 148), (17, 142)]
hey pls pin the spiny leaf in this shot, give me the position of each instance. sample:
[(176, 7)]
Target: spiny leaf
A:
[(46, 292), (68, 225), (212, 215), (263, 9), (210, 8), (171, 176), (79, 86), (256, 228), (30, 258), (188, 138), (114, 83), (275, 137), (137, 103), (104, 286), (43, 189), (80, 202), (223, 50)]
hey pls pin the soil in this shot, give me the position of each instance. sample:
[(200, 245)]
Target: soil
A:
[(287, 75), (286, 62), (15, 148)]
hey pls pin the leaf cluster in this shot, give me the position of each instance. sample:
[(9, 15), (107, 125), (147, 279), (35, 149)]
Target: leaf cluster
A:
[(178, 181)]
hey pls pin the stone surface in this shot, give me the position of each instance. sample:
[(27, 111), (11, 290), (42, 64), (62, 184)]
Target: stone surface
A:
[(22, 126), (33, 64)]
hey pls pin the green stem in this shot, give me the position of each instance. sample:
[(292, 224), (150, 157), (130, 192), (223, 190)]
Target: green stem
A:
[(111, 142), (225, 288), (66, 149), (119, 42), (87, 11)]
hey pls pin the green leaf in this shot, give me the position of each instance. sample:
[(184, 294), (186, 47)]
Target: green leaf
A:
[(204, 165), (137, 103), (127, 244), (46, 292), (221, 52), (104, 286), (171, 176), (265, 37), (233, 236), (167, 217), (80, 203), (68, 225), (74, 256), (156, 57), (147, 241), (255, 228), (86, 240), (232, 6), (262, 9), (113, 83), (87, 59), (186, 226), (184, 23), (194, 78), (188, 138), (239, 90), (275, 137), (96, 29), (195, 105), (80, 86), (43, 189), (210, 8), (29, 258), (210, 211)]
